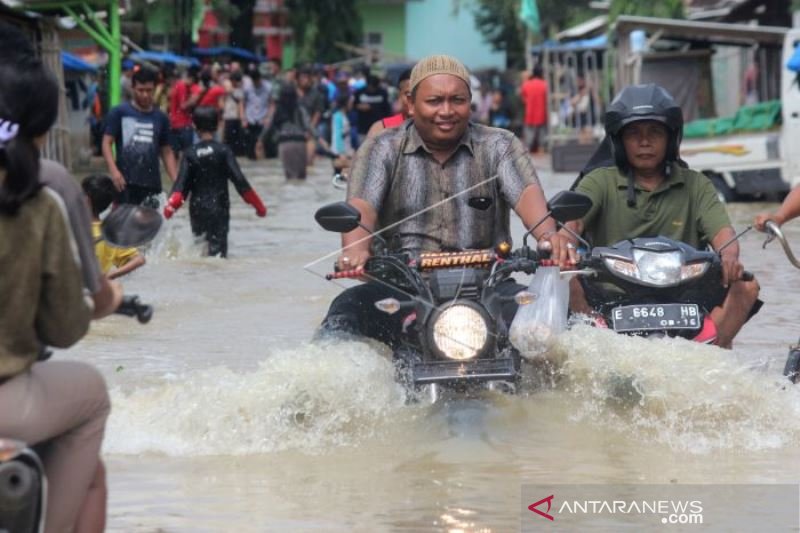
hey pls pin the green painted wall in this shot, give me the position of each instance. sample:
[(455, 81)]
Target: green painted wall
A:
[(160, 17), (390, 20)]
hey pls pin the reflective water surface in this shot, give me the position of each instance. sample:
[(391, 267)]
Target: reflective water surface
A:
[(226, 418)]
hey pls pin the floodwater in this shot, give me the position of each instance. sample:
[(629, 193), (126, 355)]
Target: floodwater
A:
[(226, 418)]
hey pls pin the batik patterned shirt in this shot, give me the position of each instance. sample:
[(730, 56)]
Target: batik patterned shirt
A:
[(424, 205)]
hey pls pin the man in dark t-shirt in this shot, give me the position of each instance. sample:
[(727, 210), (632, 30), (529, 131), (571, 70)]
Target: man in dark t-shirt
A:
[(139, 131), (371, 104), (310, 99)]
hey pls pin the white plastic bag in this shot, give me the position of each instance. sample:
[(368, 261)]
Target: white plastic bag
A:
[(536, 324)]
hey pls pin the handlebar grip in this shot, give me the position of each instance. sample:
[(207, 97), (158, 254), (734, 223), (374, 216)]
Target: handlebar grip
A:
[(345, 274), (747, 276), (131, 306)]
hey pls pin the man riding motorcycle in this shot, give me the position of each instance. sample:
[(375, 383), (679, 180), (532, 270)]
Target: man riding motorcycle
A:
[(437, 183), (648, 191)]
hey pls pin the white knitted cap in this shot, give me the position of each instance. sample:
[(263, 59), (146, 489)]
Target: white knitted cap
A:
[(438, 64)]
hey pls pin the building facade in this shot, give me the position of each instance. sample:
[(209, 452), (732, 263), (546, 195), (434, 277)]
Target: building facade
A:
[(412, 29)]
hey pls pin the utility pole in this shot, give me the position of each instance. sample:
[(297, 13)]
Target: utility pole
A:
[(528, 46)]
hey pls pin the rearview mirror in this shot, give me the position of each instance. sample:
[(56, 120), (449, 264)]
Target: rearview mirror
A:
[(569, 205), (129, 226), (340, 217)]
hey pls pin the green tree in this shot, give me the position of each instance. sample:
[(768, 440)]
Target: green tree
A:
[(318, 25), (647, 8), (499, 22)]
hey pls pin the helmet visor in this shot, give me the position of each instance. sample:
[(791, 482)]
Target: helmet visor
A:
[(638, 118)]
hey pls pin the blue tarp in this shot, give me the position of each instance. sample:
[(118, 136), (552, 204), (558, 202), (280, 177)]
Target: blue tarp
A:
[(601, 41), (794, 62), (76, 64), (230, 51), (164, 57)]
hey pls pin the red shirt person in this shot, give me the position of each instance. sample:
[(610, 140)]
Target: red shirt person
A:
[(182, 100), (534, 97), (211, 93)]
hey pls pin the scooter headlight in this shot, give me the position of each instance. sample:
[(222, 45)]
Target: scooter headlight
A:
[(659, 269), (459, 331)]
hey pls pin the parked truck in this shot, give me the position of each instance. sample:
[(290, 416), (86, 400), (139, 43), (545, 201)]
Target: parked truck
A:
[(744, 161)]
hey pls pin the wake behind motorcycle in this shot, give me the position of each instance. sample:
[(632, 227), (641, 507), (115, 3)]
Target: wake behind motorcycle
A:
[(23, 483), (455, 330)]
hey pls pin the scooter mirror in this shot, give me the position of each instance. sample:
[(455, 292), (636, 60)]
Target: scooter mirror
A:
[(569, 205), (340, 217), (131, 225)]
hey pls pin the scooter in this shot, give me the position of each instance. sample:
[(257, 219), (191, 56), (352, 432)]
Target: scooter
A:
[(654, 286), (454, 333), (792, 368), (23, 483)]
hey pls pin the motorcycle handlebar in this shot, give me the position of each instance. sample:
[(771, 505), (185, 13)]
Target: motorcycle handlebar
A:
[(775, 233), (345, 274), (133, 307)]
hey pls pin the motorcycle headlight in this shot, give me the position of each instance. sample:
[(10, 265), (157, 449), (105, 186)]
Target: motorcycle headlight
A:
[(658, 269), (459, 331)]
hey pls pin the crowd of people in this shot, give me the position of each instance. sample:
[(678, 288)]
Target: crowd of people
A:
[(263, 106), (335, 108)]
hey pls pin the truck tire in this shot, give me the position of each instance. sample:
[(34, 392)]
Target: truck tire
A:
[(724, 191)]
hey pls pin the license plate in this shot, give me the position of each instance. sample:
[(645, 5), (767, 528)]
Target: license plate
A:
[(474, 370), (659, 316)]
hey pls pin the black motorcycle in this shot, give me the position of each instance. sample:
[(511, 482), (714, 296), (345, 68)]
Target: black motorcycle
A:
[(792, 368), (455, 334), (23, 484), (654, 286)]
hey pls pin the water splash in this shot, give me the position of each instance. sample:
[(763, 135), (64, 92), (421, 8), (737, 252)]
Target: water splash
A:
[(176, 241), (309, 398), (683, 394), (316, 397)]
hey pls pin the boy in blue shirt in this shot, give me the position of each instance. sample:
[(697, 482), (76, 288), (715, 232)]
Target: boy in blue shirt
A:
[(139, 131)]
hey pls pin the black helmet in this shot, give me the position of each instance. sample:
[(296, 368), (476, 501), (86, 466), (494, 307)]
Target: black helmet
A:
[(644, 102), (205, 118)]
